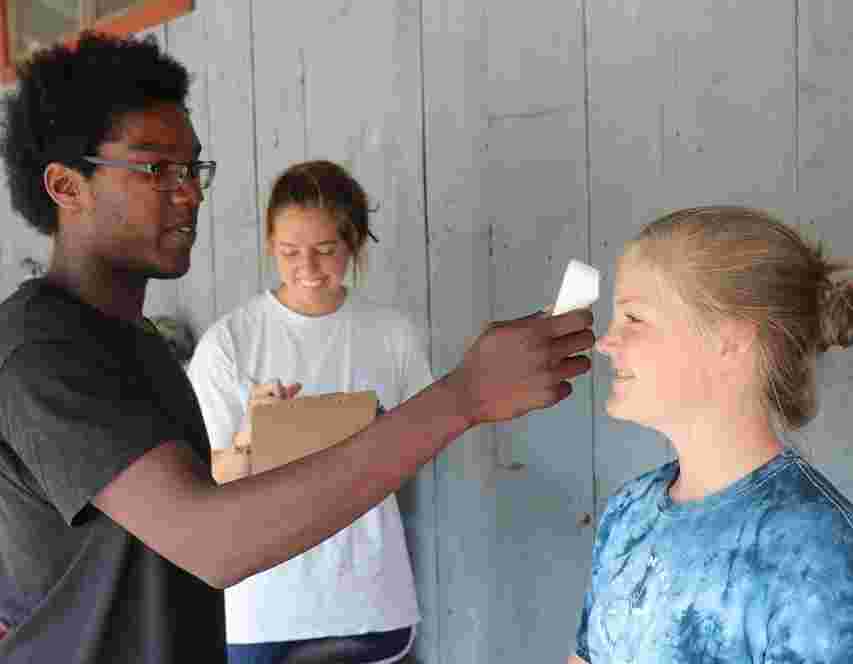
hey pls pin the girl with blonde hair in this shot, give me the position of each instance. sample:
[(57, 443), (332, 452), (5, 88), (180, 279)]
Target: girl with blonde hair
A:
[(739, 550)]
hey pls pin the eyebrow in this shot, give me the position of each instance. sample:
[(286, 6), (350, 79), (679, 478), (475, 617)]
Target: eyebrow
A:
[(630, 300), (290, 244), (159, 147)]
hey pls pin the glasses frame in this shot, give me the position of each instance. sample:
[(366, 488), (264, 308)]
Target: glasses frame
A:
[(152, 168)]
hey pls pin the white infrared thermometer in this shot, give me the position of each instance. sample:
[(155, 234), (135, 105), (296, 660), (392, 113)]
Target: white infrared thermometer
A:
[(579, 288)]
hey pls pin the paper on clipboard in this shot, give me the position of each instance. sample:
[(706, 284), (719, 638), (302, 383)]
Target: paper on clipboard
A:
[(291, 429)]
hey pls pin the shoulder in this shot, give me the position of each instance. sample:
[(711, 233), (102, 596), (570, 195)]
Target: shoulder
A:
[(40, 321), (805, 549), (39, 312), (646, 488), (373, 313), (237, 324), (807, 512), (635, 503)]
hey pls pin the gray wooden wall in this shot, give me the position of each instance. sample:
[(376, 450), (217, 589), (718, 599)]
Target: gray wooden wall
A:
[(501, 139)]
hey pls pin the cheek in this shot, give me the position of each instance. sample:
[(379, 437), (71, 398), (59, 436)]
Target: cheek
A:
[(687, 376), (337, 265), (286, 268)]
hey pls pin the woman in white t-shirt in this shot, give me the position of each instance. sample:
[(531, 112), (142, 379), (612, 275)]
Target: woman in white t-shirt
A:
[(352, 597)]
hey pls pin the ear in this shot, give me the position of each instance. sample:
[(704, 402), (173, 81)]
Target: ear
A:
[(737, 340), (65, 186)]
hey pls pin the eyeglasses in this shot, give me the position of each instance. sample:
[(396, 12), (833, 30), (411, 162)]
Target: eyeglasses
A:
[(166, 175)]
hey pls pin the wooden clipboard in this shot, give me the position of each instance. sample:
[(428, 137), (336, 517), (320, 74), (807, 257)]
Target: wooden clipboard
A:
[(291, 429)]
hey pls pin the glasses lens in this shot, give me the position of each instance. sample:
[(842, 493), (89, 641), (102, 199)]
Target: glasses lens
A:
[(168, 176), (204, 173)]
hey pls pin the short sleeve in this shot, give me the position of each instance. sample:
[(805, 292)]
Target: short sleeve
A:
[(76, 422), (221, 397), (811, 615)]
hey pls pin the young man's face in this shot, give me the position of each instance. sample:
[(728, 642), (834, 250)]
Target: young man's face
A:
[(134, 228)]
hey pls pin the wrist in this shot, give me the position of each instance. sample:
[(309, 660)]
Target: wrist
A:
[(455, 393)]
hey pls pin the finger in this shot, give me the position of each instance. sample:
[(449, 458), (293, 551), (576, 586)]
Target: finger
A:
[(567, 323), (551, 326), (265, 390), (242, 439), (265, 401), (261, 390), (529, 400), (571, 344), (570, 367)]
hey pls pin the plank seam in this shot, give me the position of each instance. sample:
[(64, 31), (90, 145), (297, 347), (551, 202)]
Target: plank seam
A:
[(255, 151), (588, 187)]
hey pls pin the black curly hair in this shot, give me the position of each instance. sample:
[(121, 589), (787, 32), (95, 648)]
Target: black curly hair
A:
[(69, 100)]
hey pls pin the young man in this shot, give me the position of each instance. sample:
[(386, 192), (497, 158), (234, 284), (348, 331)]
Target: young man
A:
[(110, 522)]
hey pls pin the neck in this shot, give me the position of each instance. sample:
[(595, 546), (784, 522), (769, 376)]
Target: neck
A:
[(321, 305), (717, 449), (120, 295)]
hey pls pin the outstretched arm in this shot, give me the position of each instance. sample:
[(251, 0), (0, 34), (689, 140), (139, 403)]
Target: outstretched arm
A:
[(168, 499)]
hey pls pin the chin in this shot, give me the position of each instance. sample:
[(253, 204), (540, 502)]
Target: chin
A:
[(619, 410), (174, 272)]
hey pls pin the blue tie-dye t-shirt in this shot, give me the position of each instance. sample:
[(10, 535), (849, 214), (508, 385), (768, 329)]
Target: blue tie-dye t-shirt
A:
[(761, 572)]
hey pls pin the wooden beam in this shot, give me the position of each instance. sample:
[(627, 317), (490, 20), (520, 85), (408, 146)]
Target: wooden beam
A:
[(88, 13), (144, 15), (7, 70)]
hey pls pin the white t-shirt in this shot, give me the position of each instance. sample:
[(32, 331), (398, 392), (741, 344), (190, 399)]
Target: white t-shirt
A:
[(360, 579)]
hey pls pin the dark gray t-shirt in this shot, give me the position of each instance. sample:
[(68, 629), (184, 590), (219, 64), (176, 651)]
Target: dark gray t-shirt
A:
[(82, 396), (759, 572)]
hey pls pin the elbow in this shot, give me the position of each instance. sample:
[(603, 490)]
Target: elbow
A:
[(224, 570), (215, 582), (216, 576), (206, 566)]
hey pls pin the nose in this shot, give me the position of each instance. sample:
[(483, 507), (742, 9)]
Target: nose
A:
[(309, 262), (607, 343)]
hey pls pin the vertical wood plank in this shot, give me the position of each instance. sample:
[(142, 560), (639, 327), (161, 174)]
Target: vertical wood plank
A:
[(684, 110), (187, 41), (455, 119), (24, 253), (825, 200), (280, 109), (358, 104), (232, 120), (215, 42), (534, 169)]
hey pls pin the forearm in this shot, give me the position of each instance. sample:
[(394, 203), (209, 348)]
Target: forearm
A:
[(297, 506), (168, 499)]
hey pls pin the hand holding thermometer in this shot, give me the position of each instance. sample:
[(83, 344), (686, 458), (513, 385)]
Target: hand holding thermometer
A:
[(579, 288)]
